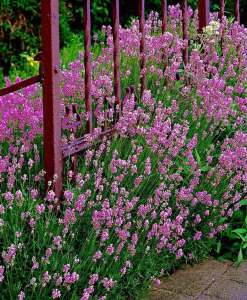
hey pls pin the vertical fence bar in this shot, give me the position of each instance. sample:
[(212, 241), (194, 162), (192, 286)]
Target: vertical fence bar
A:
[(164, 15), (53, 161), (237, 11), (143, 78), (222, 9), (203, 14), (185, 25), (116, 50), (87, 63)]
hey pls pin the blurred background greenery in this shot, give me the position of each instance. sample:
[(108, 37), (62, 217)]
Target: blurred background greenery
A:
[(20, 24)]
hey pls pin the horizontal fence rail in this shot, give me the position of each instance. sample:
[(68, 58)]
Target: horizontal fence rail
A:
[(54, 151), (20, 85)]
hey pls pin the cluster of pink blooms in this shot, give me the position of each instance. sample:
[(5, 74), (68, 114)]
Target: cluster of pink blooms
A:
[(168, 180)]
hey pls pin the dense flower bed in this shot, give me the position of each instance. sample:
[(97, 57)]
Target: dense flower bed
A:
[(155, 195)]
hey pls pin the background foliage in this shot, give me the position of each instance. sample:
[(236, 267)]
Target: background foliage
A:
[(20, 23)]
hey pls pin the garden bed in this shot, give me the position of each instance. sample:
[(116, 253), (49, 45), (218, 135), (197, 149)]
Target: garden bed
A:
[(154, 196)]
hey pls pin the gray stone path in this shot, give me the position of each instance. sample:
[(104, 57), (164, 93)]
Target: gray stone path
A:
[(209, 280)]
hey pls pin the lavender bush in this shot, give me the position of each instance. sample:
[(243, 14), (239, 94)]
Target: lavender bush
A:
[(155, 195)]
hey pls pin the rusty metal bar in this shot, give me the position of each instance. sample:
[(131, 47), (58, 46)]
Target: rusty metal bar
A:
[(203, 14), (72, 126), (53, 161), (185, 26), (87, 63), (222, 9), (20, 85), (143, 78), (116, 50), (237, 11), (164, 15), (82, 143)]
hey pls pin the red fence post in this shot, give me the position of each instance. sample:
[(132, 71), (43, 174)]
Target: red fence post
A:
[(237, 11), (87, 64), (222, 9), (53, 161), (203, 14), (116, 50), (185, 26), (143, 78), (164, 15)]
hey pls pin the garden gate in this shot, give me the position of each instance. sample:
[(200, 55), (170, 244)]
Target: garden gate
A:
[(54, 152)]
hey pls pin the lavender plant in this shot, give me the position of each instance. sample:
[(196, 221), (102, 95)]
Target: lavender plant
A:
[(155, 195)]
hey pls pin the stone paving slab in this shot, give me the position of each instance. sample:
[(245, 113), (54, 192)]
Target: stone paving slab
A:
[(203, 297), (209, 280), (227, 289), (191, 281), (167, 295), (238, 274)]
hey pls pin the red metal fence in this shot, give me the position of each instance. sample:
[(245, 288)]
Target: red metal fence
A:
[(54, 152)]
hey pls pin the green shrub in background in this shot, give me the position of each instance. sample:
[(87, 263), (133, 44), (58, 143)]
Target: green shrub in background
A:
[(20, 24), (20, 30)]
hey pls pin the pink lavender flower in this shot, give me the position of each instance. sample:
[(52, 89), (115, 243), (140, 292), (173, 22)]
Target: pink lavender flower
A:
[(93, 279), (66, 268), (48, 254), (108, 283), (97, 256), (85, 296), (198, 219), (198, 236), (32, 223), (69, 216), (45, 278), (35, 263), (9, 197), (34, 194), (40, 208), (89, 290), (148, 166), (110, 249), (50, 196), (18, 195), (9, 256), (79, 204), (59, 280), (105, 235), (21, 295), (71, 278), (2, 268), (56, 294), (179, 253), (156, 282), (2, 210), (57, 241), (68, 195)]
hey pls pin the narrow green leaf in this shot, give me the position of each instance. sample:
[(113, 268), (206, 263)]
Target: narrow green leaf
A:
[(205, 168), (240, 231), (198, 157), (243, 202), (218, 247), (240, 256)]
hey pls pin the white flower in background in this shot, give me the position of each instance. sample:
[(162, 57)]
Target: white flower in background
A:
[(212, 28)]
